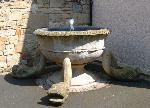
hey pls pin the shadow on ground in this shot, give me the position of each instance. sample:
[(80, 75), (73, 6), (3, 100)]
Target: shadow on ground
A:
[(20, 82), (44, 101), (137, 84)]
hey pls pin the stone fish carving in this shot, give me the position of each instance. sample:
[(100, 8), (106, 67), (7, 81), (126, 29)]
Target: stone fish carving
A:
[(59, 92), (121, 71), (24, 71)]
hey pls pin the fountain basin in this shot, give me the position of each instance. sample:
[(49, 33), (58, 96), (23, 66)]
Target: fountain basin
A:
[(83, 45)]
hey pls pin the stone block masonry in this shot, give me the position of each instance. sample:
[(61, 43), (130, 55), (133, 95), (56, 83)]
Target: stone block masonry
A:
[(12, 14), (63, 10), (19, 18)]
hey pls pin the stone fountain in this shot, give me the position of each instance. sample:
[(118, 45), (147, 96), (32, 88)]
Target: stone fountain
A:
[(71, 48)]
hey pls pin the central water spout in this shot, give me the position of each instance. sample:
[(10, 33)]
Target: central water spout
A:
[(71, 21)]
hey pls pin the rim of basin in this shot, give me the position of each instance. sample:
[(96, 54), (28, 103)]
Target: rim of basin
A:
[(78, 31)]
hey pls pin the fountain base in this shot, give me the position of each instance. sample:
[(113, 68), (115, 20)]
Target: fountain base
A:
[(82, 80)]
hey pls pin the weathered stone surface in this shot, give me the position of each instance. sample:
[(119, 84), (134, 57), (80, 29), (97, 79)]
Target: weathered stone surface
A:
[(86, 9), (21, 38), (9, 52), (11, 24), (55, 24), (77, 8), (42, 2), (38, 21), (26, 15), (19, 47), (3, 59), (1, 24), (18, 32), (44, 10), (34, 9), (57, 3), (83, 19), (10, 46), (23, 23), (55, 10), (65, 9), (2, 46), (19, 5), (54, 17), (3, 65), (13, 59), (3, 39), (67, 16), (1, 53), (9, 32), (94, 33), (2, 19), (15, 16), (13, 40)]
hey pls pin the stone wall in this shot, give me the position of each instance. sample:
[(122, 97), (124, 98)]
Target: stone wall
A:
[(130, 25), (19, 18), (63, 10)]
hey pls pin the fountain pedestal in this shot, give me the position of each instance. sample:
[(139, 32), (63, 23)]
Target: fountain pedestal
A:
[(82, 79), (81, 76)]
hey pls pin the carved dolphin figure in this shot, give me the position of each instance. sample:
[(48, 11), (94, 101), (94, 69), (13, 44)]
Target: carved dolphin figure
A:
[(24, 71), (121, 71), (59, 92)]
